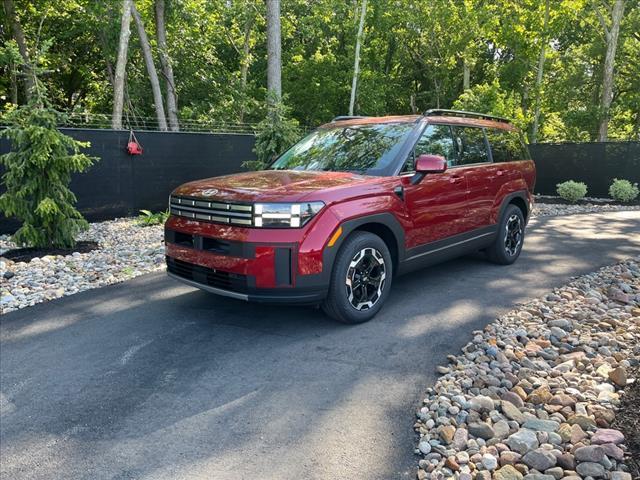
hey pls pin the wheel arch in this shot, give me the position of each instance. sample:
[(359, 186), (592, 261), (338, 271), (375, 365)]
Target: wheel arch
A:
[(518, 199), (384, 225), (521, 204)]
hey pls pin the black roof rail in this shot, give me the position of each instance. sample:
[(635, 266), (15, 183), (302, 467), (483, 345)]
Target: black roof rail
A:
[(347, 117), (440, 112)]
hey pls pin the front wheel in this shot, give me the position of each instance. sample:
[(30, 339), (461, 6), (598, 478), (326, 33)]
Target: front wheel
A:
[(360, 279), (507, 246)]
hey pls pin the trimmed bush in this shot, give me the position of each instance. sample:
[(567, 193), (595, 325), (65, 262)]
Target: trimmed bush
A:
[(623, 190), (571, 191)]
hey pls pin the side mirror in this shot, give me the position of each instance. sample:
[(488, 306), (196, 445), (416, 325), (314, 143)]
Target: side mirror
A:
[(428, 164)]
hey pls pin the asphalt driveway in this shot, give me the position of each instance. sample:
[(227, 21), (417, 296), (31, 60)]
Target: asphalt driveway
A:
[(150, 379)]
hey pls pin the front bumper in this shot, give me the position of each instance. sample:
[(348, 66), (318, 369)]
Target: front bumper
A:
[(209, 280), (283, 266)]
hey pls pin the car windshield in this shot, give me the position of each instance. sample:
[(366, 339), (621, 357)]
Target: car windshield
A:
[(365, 149)]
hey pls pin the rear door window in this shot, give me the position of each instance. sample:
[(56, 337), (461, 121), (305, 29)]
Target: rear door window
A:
[(506, 146), (471, 145)]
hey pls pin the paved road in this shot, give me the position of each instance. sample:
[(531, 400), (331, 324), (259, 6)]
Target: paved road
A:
[(153, 380)]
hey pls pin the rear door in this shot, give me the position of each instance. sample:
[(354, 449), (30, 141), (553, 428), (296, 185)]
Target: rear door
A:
[(438, 204), (508, 152), (474, 163)]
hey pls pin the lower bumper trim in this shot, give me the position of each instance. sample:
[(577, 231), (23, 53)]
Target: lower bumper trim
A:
[(290, 296), (217, 291)]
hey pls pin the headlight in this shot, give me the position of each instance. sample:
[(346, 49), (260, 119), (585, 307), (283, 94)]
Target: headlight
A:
[(284, 215)]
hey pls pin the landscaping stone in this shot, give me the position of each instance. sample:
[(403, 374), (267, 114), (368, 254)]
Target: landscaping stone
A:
[(607, 435), (508, 472), (540, 459), (523, 441), (126, 250), (524, 402), (590, 469), (481, 430)]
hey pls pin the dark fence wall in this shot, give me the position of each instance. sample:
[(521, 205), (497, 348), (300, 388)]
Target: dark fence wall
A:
[(595, 164), (120, 185)]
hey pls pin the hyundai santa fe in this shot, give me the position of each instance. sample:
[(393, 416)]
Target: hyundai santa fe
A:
[(352, 205)]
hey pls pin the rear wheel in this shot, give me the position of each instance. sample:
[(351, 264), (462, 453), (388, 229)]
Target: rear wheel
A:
[(507, 246), (360, 280)]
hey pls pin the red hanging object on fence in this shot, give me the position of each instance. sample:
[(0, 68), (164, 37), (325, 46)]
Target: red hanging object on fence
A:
[(133, 147)]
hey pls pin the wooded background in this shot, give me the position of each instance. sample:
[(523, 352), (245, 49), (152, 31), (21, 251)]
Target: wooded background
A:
[(564, 70)]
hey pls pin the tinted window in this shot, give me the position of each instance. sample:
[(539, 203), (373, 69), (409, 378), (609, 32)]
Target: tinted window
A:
[(471, 144), (507, 146), (356, 148), (435, 140)]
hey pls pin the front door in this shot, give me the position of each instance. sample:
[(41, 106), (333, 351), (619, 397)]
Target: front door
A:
[(437, 205)]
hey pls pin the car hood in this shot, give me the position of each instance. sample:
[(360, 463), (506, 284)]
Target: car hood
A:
[(270, 185)]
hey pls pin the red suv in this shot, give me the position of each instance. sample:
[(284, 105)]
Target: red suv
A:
[(358, 201)]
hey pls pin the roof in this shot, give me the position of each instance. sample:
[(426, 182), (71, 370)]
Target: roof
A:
[(440, 118)]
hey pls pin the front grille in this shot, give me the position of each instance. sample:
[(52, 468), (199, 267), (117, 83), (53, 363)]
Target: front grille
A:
[(216, 212), (207, 276)]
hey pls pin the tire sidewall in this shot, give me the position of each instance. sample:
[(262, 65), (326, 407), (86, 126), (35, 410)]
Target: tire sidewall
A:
[(338, 292), (500, 240)]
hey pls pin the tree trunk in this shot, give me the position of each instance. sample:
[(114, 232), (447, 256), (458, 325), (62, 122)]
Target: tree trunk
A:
[(611, 35), (14, 85), (167, 69), (356, 64), (18, 36), (466, 75), (151, 69), (543, 46), (245, 61), (274, 62), (121, 66)]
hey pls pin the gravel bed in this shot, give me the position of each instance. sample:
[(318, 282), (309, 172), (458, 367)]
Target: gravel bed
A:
[(126, 251), (552, 209), (533, 396)]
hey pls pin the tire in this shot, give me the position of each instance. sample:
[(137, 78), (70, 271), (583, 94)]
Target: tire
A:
[(350, 301), (507, 246)]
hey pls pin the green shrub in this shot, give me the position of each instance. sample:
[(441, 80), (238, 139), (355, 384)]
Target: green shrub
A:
[(572, 191), (276, 133), (148, 218), (37, 174), (623, 190)]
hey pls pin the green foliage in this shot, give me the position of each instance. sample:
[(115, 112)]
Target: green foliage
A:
[(412, 59), (147, 218), (37, 174), (623, 190), (276, 133), (490, 98), (571, 191)]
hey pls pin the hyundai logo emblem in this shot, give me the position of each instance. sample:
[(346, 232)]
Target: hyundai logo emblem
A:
[(209, 192)]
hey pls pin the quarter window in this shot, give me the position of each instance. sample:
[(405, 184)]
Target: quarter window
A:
[(435, 140), (507, 146), (472, 146)]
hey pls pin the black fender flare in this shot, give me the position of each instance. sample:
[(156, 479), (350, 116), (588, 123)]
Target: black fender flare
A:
[(386, 219), (521, 194)]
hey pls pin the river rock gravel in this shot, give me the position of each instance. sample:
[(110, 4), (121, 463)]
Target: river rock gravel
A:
[(552, 209), (534, 395), (126, 251)]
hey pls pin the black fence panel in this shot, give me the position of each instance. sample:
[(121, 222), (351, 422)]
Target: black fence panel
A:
[(119, 184), (595, 164)]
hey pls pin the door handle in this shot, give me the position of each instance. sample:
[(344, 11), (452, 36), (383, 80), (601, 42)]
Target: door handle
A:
[(500, 172), (455, 179)]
